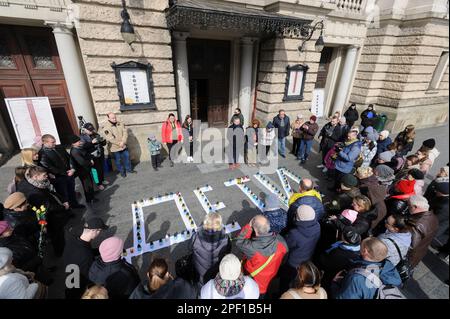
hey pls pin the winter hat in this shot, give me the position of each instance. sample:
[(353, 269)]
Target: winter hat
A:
[(386, 156), (349, 181), (152, 137), (299, 116), (405, 186), (111, 249), (15, 200), (73, 139), (5, 256), (272, 202), (313, 118), (442, 188), (350, 215), (384, 134), (430, 143), (352, 237), (371, 134), (230, 267), (4, 225), (305, 213), (416, 173), (384, 171)]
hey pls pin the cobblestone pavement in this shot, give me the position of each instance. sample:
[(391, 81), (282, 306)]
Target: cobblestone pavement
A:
[(115, 207)]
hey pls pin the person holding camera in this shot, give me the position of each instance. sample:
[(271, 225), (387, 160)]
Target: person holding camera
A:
[(93, 143)]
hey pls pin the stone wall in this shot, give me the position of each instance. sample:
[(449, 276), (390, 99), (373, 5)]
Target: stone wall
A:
[(275, 55), (101, 44), (395, 70)]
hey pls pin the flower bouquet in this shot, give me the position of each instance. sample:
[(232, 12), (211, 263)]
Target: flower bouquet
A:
[(42, 221)]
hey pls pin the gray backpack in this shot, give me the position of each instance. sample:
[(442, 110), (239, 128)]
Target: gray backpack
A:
[(383, 291)]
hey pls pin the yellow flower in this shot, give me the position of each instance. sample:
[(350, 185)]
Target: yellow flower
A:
[(42, 208), (34, 208)]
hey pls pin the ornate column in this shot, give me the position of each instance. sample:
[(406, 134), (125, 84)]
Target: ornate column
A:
[(73, 69), (181, 64)]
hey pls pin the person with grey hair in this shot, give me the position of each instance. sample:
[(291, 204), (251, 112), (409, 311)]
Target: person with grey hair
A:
[(344, 127), (424, 226), (263, 251), (301, 238)]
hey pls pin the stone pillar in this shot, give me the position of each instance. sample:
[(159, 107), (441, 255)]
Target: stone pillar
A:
[(73, 71), (345, 80), (245, 83), (181, 64)]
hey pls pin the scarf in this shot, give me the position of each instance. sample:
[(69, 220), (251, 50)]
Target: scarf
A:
[(228, 288), (45, 184), (347, 143)]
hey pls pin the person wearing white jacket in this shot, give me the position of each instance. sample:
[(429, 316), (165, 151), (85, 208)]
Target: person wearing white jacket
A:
[(230, 283), (13, 282)]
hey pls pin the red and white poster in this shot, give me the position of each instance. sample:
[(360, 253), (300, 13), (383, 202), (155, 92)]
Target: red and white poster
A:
[(31, 117)]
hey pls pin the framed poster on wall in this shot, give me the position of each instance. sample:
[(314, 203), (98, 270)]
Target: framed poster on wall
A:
[(31, 117), (295, 82), (134, 85)]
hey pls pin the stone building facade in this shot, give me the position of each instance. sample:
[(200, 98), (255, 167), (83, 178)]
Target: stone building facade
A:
[(209, 57)]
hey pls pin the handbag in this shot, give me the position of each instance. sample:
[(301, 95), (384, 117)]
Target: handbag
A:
[(403, 267)]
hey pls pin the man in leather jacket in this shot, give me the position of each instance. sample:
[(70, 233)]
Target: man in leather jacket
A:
[(82, 161), (57, 162)]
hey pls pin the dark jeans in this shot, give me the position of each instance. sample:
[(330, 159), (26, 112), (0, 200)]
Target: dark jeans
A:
[(295, 145), (304, 149), (125, 157), (99, 166), (169, 146), (191, 149), (156, 160), (65, 187)]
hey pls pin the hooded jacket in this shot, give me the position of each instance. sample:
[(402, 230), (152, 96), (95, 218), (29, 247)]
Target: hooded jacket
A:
[(403, 241), (208, 248), (301, 241), (354, 285), (257, 251), (311, 198), (118, 277), (351, 115)]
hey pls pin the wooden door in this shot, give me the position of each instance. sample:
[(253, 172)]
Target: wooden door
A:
[(324, 64), (209, 71), (30, 66)]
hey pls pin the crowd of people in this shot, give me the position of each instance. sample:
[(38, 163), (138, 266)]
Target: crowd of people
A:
[(376, 227)]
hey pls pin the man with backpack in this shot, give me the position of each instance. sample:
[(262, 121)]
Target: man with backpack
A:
[(373, 277)]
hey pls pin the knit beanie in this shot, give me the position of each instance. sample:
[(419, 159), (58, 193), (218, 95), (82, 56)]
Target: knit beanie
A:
[(430, 143), (305, 213), (405, 186), (386, 156), (416, 173), (272, 202), (349, 181), (230, 267), (5, 256), (350, 215), (111, 249), (384, 171), (4, 225)]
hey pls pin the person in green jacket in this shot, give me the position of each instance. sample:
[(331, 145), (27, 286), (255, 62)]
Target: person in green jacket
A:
[(154, 147)]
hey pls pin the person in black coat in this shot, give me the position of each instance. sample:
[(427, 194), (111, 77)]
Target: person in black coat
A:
[(439, 206), (82, 161), (111, 271), (330, 134), (55, 159), (17, 213), (351, 115), (79, 252), (38, 190), (209, 244), (339, 256), (368, 116), (93, 143), (301, 239), (283, 125), (235, 137)]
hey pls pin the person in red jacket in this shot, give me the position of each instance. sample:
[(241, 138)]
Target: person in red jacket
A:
[(171, 134), (263, 251)]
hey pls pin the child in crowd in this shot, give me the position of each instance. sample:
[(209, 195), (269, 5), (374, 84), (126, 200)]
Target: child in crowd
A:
[(154, 147)]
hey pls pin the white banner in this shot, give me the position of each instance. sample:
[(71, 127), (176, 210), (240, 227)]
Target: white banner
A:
[(31, 117), (317, 103)]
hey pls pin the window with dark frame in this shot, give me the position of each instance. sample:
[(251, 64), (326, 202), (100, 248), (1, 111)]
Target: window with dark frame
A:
[(135, 86), (295, 82)]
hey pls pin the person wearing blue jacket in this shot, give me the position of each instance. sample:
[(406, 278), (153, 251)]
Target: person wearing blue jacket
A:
[(355, 284), (301, 238), (348, 153)]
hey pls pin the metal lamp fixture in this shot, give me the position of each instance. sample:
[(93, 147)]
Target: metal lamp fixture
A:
[(308, 32), (126, 28)]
